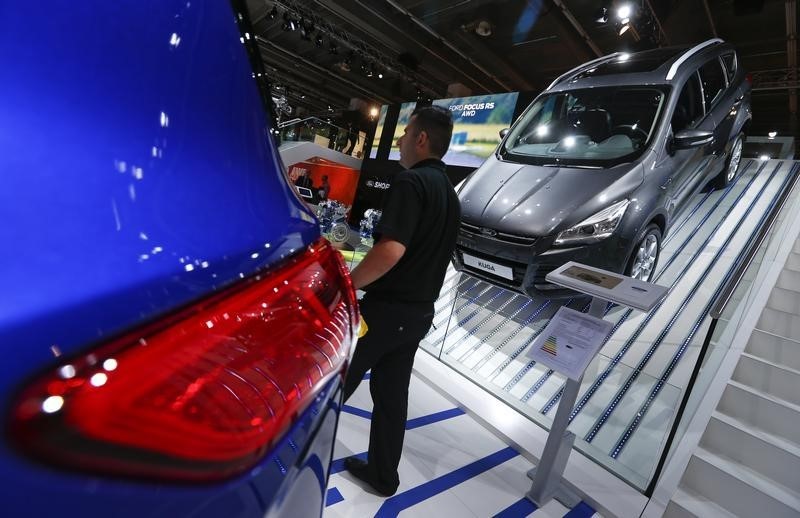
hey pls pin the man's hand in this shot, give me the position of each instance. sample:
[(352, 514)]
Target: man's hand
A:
[(382, 258)]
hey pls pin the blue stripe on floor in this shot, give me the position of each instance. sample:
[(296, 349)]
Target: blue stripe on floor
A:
[(357, 411), (333, 497), (518, 509), (411, 423), (337, 466), (394, 505), (433, 418), (582, 510)]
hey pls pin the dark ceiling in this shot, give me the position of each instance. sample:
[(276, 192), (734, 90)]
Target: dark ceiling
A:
[(449, 48)]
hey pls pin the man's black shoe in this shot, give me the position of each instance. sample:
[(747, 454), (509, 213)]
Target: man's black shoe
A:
[(358, 468)]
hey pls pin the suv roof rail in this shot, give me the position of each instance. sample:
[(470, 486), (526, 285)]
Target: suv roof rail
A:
[(582, 67), (689, 53)]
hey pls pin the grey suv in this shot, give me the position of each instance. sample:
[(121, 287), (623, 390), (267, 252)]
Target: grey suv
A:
[(600, 164)]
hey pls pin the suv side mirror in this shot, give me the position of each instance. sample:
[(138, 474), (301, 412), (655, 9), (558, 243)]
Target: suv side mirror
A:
[(686, 139), (504, 132)]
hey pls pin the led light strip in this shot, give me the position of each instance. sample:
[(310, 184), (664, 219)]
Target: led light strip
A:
[(494, 331), (523, 325), (618, 357), (598, 425), (639, 416), (480, 324)]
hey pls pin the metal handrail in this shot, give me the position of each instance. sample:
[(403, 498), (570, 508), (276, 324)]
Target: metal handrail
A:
[(726, 293)]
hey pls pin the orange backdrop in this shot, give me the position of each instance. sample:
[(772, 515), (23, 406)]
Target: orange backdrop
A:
[(342, 179)]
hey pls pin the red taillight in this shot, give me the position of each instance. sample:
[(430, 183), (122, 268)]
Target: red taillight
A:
[(205, 394)]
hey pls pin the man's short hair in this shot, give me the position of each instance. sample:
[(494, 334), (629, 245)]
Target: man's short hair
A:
[(437, 122)]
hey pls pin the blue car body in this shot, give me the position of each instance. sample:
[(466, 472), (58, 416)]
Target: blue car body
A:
[(139, 176)]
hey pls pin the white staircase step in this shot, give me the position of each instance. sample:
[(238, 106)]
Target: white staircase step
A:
[(766, 455), (688, 504), (765, 376), (737, 489), (761, 411), (792, 262), (779, 323), (789, 280), (796, 248), (785, 300), (775, 349)]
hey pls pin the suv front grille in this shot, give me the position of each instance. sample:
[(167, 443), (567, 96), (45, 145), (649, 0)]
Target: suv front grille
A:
[(499, 236)]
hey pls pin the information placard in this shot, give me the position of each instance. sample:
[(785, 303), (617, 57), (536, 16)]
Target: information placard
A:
[(569, 342)]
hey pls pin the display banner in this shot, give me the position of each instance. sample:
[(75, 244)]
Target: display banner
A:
[(406, 110), (477, 122), (378, 131)]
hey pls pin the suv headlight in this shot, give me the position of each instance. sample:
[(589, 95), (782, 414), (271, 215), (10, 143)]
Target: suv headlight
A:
[(596, 227)]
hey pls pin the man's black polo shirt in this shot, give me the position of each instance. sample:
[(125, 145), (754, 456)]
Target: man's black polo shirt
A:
[(422, 212)]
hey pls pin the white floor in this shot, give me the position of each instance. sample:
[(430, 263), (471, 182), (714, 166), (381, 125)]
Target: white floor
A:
[(451, 465)]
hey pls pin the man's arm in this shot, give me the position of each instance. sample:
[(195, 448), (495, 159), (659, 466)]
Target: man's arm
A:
[(382, 258)]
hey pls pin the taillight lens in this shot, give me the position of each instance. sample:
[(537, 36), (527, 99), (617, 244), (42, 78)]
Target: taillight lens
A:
[(206, 393)]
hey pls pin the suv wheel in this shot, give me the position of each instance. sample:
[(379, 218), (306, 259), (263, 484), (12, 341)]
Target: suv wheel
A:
[(731, 164), (644, 258)]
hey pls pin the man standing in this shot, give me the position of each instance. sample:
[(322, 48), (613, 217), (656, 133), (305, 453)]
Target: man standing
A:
[(402, 276)]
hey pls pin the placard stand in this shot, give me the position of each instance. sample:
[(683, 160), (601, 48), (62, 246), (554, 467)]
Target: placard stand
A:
[(604, 287)]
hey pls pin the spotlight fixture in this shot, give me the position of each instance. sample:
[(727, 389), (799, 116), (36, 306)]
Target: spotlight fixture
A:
[(274, 12), (334, 48), (601, 15), (318, 42), (772, 134), (288, 23), (624, 11)]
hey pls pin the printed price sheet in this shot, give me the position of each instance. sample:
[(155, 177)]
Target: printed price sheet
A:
[(569, 342)]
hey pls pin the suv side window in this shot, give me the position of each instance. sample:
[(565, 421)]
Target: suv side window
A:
[(730, 62), (689, 109), (713, 82)]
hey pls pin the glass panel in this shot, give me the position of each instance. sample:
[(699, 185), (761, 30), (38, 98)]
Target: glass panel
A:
[(594, 126), (730, 65), (762, 342), (713, 77), (689, 109)]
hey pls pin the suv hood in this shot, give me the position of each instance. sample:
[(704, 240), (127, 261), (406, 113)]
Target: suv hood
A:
[(536, 200)]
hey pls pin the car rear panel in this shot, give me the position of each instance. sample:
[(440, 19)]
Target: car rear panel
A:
[(139, 177)]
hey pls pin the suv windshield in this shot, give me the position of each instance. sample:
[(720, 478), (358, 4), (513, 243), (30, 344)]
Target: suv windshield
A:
[(591, 127)]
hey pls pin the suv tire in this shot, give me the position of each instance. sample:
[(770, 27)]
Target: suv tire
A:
[(644, 258), (728, 173)]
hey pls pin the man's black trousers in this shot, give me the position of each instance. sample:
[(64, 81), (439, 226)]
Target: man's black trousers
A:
[(394, 332)]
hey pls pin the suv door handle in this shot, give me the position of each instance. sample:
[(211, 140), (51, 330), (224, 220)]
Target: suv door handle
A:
[(666, 184)]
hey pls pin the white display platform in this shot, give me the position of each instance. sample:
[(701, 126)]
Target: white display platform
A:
[(630, 391)]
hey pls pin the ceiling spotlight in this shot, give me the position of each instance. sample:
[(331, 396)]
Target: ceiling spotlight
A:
[(624, 29), (483, 28), (318, 42), (763, 157), (274, 12), (624, 11), (380, 75), (601, 15), (772, 134)]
